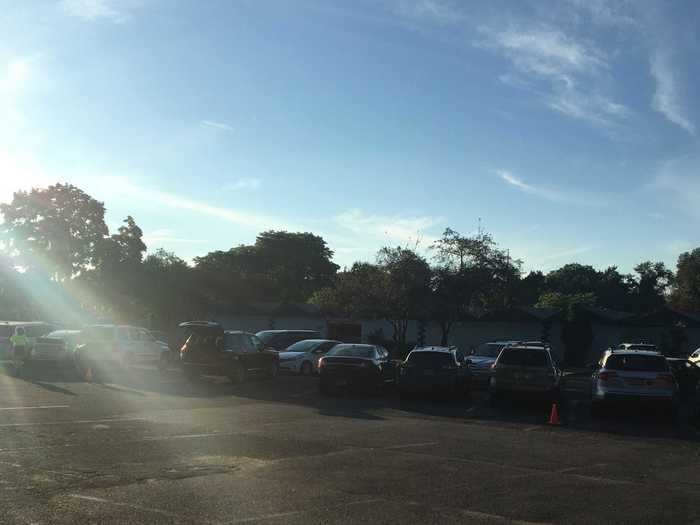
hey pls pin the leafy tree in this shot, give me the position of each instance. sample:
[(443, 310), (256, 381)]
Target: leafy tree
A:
[(577, 332), (55, 230), (407, 281), (572, 279), (280, 266), (653, 282), (529, 289), (686, 292)]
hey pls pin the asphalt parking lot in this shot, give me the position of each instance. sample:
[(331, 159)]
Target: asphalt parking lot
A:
[(144, 448)]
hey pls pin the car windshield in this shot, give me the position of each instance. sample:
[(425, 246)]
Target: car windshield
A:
[(523, 357), (352, 351), (637, 363), (302, 346), (430, 359), (488, 350)]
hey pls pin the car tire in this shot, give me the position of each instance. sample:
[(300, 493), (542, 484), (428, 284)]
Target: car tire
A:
[(307, 369)]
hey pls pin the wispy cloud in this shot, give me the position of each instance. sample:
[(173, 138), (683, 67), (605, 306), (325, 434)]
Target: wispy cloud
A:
[(177, 202), (566, 65), (117, 11), (389, 228), (678, 179), (440, 11), (572, 197), (667, 99), (167, 236), (216, 125), (250, 183), (572, 252)]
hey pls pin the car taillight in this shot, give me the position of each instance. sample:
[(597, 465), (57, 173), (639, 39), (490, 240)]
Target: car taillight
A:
[(321, 363), (493, 366), (184, 349), (607, 376)]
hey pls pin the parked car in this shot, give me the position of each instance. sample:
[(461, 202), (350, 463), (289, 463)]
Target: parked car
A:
[(686, 374), (624, 375), (525, 370), (56, 348), (106, 345), (356, 366), (637, 346), (432, 370), (32, 329), (237, 355), (482, 358), (695, 357), (280, 340), (302, 357)]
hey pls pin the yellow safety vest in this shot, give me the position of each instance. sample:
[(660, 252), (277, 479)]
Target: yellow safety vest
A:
[(19, 340)]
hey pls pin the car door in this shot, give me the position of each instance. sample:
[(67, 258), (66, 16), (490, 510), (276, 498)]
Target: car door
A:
[(150, 349), (123, 344), (263, 357), (234, 351)]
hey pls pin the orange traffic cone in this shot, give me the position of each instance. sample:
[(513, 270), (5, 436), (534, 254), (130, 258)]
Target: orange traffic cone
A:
[(554, 415), (88, 374)]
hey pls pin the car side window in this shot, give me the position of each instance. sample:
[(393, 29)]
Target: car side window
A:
[(324, 347), (247, 344), (232, 343), (123, 334), (257, 343)]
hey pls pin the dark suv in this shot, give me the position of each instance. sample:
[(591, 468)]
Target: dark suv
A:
[(210, 350), (280, 340)]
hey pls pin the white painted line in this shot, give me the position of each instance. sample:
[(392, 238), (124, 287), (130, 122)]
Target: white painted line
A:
[(530, 429), (473, 514), (127, 505), (279, 515), (412, 445), (42, 407), (72, 422)]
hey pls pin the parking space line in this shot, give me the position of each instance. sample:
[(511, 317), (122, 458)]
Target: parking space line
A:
[(42, 407), (412, 445), (104, 501), (72, 422), (278, 515)]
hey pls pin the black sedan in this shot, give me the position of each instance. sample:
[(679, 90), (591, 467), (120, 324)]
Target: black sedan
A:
[(433, 370), (355, 366)]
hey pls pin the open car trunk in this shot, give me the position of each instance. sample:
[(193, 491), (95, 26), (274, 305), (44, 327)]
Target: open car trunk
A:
[(202, 341)]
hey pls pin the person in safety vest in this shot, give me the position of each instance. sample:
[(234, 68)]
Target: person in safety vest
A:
[(20, 347)]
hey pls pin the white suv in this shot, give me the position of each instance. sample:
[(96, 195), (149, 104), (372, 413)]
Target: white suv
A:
[(120, 345)]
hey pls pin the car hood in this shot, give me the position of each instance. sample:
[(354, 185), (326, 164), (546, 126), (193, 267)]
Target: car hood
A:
[(481, 361), (290, 355)]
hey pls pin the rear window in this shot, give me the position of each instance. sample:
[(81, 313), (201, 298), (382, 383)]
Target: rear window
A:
[(302, 346), (352, 351), (489, 350), (651, 348), (430, 359), (637, 363), (522, 357)]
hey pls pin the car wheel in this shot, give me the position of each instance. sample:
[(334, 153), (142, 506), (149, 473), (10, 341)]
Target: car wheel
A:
[(239, 375), (306, 369)]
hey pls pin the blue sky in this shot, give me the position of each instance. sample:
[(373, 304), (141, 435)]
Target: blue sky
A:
[(569, 127)]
